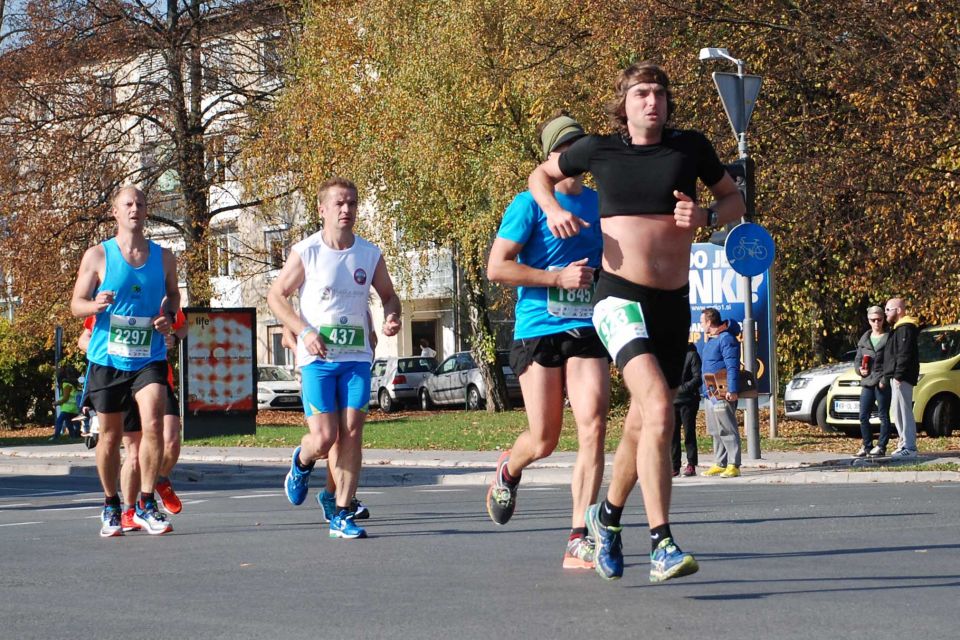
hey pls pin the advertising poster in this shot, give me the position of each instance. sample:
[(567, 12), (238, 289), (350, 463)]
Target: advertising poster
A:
[(713, 283), (220, 361)]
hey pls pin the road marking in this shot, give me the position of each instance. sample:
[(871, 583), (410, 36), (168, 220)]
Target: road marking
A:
[(192, 501), (18, 504), (256, 495), (98, 507), (18, 524), (440, 490)]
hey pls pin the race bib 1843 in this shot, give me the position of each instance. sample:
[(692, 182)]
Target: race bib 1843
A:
[(618, 321), (130, 336)]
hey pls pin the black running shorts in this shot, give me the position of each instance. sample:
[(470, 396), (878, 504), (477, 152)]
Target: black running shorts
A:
[(554, 350)]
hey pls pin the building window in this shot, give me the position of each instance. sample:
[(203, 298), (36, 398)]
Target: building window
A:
[(106, 92), (216, 67), (216, 160), (271, 62), (220, 253), (279, 355), (275, 241)]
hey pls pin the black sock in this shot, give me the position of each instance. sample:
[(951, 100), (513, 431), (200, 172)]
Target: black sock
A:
[(658, 534), (578, 532), (342, 509), (304, 468), (510, 480), (111, 501), (610, 514), (147, 498)]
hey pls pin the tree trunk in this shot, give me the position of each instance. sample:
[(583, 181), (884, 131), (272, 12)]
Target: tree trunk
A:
[(483, 342)]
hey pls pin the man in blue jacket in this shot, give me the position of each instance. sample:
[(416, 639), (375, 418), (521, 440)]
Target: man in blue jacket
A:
[(722, 353)]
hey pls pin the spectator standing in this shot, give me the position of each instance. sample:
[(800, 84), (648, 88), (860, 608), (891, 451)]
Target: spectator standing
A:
[(901, 370), (425, 350), (69, 392), (685, 408), (722, 353), (871, 350)]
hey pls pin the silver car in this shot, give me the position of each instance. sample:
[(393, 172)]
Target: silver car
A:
[(394, 381), (457, 381), (806, 396)]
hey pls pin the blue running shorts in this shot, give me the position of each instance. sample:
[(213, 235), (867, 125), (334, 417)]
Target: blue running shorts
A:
[(331, 386)]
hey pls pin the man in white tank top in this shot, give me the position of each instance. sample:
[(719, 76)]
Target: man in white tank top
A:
[(332, 271)]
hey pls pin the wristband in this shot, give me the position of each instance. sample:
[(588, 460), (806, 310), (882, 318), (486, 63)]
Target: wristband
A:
[(307, 329)]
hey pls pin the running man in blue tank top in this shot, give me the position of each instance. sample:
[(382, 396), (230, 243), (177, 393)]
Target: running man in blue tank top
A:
[(130, 285), (555, 344)]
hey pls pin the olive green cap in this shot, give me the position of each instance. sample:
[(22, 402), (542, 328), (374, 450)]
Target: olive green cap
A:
[(559, 131)]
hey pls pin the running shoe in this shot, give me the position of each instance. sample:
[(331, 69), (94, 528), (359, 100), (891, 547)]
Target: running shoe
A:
[(732, 471), (501, 498), (877, 452), (342, 526), (328, 503), (861, 452), (150, 518), (297, 481), (579, 553), (668, 561), (688, 471), (126, 521), (904, 454), (167, 499), (360, 511), (608, 556), (714, 470), (110, 522)]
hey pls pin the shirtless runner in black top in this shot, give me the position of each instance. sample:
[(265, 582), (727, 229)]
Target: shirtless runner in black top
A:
[(646, 176)]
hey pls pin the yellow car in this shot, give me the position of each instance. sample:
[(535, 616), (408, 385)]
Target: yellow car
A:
[(936, 398)]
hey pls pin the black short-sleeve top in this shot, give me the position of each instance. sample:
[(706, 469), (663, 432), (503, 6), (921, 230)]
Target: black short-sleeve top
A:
[(640, 179)]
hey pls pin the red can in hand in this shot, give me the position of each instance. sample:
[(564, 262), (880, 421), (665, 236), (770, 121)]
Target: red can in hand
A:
[(866, 362)]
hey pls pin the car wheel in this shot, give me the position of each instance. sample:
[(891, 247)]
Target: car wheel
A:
[(941, 416), (820, 414), (474, 401), (387, 405), (425, 403)]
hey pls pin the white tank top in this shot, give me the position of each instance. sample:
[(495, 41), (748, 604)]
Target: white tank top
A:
[(334, 297)]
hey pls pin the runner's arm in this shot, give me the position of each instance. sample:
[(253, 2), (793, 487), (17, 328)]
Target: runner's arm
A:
[(83, 302), (542, 181), (388, 298), (502, 267)]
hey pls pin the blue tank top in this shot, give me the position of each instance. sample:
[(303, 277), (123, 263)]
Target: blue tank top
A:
[(123, 335)]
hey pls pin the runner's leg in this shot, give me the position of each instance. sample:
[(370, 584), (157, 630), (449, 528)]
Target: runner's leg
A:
[(150, 400), (588, 386)]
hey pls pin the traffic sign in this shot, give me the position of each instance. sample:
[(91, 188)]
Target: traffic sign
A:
[(749, 249), (738, 110)]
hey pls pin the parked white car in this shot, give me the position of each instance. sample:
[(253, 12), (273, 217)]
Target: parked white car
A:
[(277, 388), (805, 398)]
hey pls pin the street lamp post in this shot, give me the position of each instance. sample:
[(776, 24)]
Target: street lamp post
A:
[(738, 94)]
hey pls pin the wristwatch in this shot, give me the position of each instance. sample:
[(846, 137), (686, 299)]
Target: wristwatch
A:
[(712, 217)]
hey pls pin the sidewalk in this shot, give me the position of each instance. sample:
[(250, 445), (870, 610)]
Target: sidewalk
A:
[(383, 467)]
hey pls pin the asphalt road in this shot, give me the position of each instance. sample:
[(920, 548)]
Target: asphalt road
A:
[(818, 561)]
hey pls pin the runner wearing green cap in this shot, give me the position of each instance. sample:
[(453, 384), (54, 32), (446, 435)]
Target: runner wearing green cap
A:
[(555, 344)]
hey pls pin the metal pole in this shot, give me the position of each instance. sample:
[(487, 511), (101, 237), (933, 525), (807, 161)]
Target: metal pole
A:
[(772, 350), (751, 413)]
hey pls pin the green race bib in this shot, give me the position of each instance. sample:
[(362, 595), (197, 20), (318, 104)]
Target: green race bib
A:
[(347, 335), (130, 336), (618, 321)]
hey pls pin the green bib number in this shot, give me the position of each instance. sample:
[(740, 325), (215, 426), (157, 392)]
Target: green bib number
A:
[(341, 338), (130, 336), (618, 321)]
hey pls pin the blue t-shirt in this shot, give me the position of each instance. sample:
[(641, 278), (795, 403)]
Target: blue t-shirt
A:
[(524, 222)]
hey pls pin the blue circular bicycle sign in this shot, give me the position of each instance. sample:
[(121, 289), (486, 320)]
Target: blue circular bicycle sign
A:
[(749, 249)]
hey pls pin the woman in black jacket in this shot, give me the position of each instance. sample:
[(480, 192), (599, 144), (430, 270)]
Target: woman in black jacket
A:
[(873, 390)]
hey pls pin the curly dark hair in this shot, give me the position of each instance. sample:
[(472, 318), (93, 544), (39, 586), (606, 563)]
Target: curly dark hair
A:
[(646, 71)]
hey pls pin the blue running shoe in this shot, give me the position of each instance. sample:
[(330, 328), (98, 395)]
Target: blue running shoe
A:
[(608, 557), (110, 522), (668, 561), (342, 526), (150, 519), (327, 502), (297, 481)]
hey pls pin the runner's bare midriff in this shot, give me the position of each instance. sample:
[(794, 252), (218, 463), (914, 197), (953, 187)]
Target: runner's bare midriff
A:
[(649, 250)]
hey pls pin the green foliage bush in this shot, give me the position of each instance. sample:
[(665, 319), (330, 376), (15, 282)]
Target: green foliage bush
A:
[(26, 375)]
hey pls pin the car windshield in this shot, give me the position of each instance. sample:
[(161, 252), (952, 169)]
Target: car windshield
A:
[(938, 344), (273, 374), (416, 365)]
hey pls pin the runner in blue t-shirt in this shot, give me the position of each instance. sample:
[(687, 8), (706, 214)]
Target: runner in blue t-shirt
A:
[(555, 344)]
